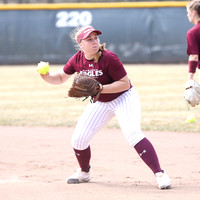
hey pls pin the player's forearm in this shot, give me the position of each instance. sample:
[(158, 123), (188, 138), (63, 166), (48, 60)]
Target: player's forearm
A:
[(190, 75), (117, 86), (193, 57), (55, 78), (52, 78)]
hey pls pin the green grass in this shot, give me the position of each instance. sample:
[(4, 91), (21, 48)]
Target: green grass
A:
[(27, 100)]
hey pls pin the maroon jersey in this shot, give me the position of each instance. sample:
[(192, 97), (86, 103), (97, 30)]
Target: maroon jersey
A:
[(108, 70), (193, 41)]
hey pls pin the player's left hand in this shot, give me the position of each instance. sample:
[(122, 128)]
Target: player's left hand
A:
[(192, 93)]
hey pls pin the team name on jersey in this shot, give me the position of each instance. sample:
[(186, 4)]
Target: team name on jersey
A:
[(92, 72)]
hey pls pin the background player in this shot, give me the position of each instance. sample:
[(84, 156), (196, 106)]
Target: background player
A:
[(118, 98), (193, 39)]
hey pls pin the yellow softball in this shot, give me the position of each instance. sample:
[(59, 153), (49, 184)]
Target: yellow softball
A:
[(190, 119), (43, 67)]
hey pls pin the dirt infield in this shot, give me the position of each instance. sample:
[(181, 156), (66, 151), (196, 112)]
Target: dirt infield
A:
[(34, 163)]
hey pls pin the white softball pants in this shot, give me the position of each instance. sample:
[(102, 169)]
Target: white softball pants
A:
[(127, 110)]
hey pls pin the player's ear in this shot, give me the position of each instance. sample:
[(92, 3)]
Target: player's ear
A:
[(194, 12)]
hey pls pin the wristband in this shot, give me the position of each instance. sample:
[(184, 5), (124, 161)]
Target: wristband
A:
[(192, 66)]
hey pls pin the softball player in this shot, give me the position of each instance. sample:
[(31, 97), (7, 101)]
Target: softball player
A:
[(118, 98), (193, 38)]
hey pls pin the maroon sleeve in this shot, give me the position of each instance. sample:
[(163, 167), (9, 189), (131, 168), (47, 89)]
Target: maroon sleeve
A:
[(69, 66), (192, 43), (115, 68)]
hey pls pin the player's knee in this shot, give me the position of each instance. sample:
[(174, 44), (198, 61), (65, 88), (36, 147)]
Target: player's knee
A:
[(135, 137), (79, 143)]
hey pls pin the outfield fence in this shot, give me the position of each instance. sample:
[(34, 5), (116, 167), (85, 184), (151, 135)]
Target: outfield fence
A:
[(138, 32)]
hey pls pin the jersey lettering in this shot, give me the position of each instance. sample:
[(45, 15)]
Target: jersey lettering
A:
[(93, 72)]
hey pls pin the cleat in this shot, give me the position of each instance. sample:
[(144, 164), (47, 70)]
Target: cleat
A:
[(163, 180), (78, 177)]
